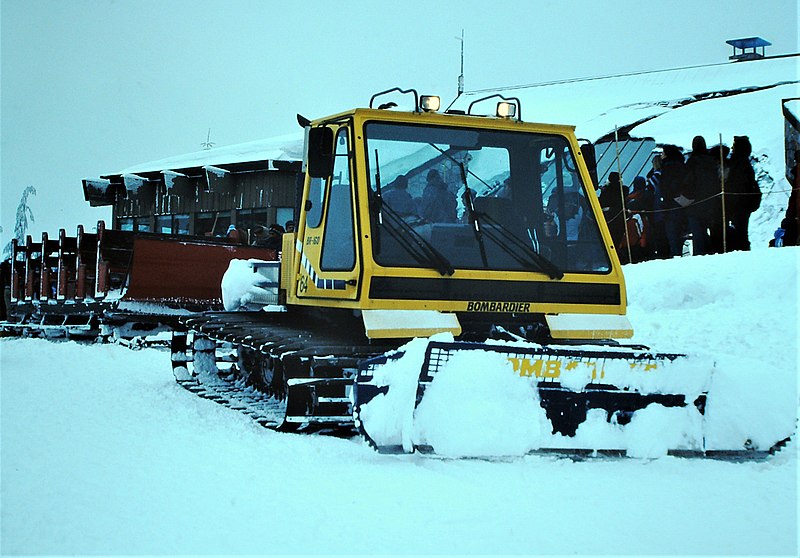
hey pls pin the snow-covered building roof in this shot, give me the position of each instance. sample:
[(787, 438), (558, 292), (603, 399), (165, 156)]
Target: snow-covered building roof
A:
[(599, 104), (288, 148)]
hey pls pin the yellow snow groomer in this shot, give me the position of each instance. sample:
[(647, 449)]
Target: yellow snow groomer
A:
[(485, 229)]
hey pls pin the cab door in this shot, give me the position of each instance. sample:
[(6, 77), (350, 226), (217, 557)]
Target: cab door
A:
[(329, 264)]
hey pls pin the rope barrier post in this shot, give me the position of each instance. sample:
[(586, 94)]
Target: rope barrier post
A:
[(622, 195), (722, 190)]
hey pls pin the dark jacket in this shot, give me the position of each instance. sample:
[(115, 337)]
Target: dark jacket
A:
[(743, 195), (702, 184), (672, 178), (611, 201), (438, 205)]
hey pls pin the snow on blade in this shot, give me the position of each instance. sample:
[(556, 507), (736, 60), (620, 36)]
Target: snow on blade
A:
[(477, 406), (390, 416), (241, 285)]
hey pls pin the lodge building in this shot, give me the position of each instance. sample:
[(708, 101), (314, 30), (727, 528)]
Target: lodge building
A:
[(203, 193)]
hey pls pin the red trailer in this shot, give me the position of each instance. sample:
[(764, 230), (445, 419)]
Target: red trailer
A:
[(122, 283)]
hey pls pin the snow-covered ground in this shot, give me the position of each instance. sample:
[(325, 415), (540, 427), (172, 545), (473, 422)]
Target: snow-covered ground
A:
[(102, 453)]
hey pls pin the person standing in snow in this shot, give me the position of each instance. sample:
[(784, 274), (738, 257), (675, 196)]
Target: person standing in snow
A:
[(640, 206), (670, 184), (611, 201), (743, 195), (658, 233), (700, 189)]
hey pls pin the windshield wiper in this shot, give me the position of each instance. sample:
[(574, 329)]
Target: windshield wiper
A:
[(415, 244), (468, 205), (536, 260), (412, 242)]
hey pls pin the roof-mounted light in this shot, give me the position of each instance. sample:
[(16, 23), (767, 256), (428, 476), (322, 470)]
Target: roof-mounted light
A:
[(430, 103), (506, 109)]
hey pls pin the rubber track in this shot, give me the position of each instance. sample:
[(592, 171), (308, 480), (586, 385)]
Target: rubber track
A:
[(318, 370)]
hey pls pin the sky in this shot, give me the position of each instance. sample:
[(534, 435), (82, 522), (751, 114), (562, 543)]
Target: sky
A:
[(90, 88)]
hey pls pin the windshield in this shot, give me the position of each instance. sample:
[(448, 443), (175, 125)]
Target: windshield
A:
[(528, 204)]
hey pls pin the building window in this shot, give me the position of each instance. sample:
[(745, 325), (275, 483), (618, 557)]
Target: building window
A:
[(164, 223), (212, 223), (249, 219), (172, 224), (283, 215), (180, 223), (142, 224)]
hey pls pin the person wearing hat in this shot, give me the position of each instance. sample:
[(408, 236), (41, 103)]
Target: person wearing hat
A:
[(259, 234), (397, 197), (611, 199), (274, 237), (235, 235), (438, 204)]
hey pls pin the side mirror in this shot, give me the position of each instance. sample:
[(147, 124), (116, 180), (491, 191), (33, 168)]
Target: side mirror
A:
[(587, 150), (319, 152)]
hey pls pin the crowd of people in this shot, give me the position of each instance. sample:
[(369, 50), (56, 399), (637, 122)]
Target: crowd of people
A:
[(707, 195), (261, 236)]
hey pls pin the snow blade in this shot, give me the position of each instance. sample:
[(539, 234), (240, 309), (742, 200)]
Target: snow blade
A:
[(576, 398)]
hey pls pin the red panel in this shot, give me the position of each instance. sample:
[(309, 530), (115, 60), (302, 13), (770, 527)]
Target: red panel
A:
[(178, 271)]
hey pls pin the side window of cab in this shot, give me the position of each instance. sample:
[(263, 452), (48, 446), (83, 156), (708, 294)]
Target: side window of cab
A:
[(338, 245)]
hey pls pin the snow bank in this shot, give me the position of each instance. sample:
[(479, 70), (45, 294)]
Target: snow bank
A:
[(742, 309)]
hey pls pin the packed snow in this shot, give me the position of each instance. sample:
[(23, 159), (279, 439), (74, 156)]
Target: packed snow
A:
[(104, 453)]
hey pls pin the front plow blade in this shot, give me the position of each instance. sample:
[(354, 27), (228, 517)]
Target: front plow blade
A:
[(479, 399)]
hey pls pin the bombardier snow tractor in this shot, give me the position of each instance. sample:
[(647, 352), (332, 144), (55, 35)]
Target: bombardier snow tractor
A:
[(482, 233)]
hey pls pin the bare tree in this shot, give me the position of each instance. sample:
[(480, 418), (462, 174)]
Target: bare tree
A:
[(24, 212)]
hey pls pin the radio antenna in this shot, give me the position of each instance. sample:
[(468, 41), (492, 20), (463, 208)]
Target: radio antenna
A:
[(461, 75)]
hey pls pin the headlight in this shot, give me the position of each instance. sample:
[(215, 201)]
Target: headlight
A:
[(429, 103), (506, 110)]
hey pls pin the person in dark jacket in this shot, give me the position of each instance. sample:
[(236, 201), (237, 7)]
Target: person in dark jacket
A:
[(670, 184), (640, 206), (438, 204), (658, 236), (611, 199), (268, 238), (701, 186), (398, 198), (742, 194), (274, 237)]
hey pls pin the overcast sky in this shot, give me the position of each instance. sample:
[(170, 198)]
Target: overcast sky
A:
[(93, 87)]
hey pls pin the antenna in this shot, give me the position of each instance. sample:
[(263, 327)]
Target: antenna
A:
[(208, 144), (461, 75)]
